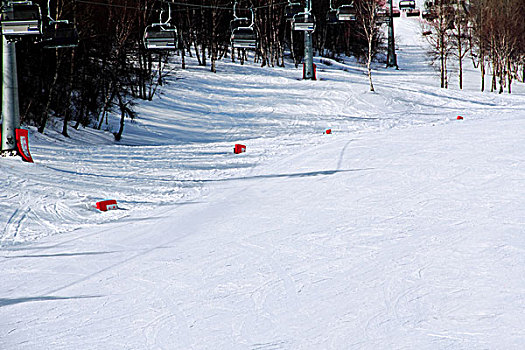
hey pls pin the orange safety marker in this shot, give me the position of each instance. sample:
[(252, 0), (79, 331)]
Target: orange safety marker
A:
[(328, 131)]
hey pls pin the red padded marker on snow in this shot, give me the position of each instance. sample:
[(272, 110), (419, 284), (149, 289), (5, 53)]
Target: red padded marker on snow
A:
[(108, 204), (239, 148)]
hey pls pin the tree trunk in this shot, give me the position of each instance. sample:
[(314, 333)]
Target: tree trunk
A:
[(203, 55), (213, 46), (446, 73), (182, 53), (107, 102), (202, 61), (45, 115), (67, 116), (509, 76), (501, 76), (118, 135), (369, 63), (197, 52), (151, 89), (460, 63), (159, 78), (80, 114), (442, 59), (493, 83), (292, 49), (482, 64)]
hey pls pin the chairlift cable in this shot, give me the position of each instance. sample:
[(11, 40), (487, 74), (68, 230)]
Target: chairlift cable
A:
[(175, 3), (221, 7), (109, 5)]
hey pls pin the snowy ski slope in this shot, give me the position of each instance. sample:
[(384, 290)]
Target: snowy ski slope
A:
[(404, 229)]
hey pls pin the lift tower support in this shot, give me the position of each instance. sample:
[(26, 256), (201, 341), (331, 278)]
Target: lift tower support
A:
[(10, 106), (391, 55), (308, 49)]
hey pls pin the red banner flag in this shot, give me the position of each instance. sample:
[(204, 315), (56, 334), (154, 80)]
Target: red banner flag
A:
[(22, 142)]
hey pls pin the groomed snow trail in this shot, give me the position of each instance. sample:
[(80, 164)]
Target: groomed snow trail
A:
[(402, 230), (397, 239)]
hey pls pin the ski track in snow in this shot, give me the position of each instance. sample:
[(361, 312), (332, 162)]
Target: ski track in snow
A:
[(401, 230)]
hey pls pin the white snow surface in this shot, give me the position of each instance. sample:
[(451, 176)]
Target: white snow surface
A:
[(403, 229)]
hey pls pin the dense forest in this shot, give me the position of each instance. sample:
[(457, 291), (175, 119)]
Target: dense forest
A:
[(111, 69)]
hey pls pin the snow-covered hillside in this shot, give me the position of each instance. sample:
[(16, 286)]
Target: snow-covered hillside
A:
[(403, 229)]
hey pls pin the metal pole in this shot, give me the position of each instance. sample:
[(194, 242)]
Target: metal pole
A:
[(10, 108), (391, 55), (308, 49)]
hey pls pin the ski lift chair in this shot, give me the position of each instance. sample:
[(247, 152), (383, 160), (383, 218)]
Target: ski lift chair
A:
[(331, 16), (244, 38), (395, 12), (243, 34), (160, 36), (346, 13), (382, 15), (303, 21), (239, 22), (21, 18), (429, 15), (60, 35), (407, 4), (413, 12), (292, 9)]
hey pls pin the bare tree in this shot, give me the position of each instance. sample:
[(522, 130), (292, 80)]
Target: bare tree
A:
[(498, 32), (478, 40), (437, 30), (460, 35), (367, 16)]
